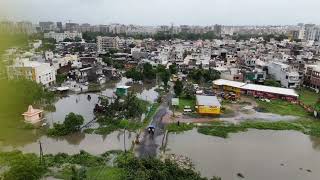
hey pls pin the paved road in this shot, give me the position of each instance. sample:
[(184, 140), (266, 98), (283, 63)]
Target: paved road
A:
[(150, 144)]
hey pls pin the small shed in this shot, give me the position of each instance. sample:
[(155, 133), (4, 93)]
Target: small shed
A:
[(208, 105), (122, 90), (33, 115)]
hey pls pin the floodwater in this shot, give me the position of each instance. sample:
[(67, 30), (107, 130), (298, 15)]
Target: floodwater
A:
[(77, 103), (72, 144), (80, 104), (27, 140), (257, 154)]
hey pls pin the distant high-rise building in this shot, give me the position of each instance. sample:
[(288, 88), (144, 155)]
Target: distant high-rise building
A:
[(217, 29), (59, 26), (47, 26), (72, 27)]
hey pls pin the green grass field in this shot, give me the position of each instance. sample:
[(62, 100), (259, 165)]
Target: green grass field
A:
[(282, 107), (223, 129), (308, 97), (186, 102)]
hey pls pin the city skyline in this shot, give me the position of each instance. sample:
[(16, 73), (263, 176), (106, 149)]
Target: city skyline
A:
[(164, 12)]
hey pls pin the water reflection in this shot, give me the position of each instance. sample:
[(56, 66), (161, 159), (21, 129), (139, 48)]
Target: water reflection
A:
[(315, 142), (25, 139), (257, 154), (92, 143)]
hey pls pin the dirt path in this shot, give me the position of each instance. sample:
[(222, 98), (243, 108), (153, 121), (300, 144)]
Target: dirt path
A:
[(241, 111)]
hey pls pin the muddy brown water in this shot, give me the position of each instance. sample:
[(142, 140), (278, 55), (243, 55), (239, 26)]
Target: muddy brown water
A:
[(92, 143), (257, 154), (27, 140)]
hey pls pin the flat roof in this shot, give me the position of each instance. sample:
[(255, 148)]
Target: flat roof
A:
[(256, 87), (270, 89), (123, 87), (224, 82), (207, 100)]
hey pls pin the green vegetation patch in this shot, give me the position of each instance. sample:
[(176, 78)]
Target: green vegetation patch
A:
[(282, 107), (308, 96), (222, 129), (105, 173), (174, 127), (152, 111), (186, 102)]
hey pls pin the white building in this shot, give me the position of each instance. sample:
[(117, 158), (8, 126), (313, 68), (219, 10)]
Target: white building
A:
[(61, 36), (41, 73), (281, 72), (105, 43)]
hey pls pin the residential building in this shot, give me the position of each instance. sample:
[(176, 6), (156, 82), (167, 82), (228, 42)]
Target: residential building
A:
[(47, 26), (41, 73), (59, 37), (312, 77), (282, 73), (105, 43)]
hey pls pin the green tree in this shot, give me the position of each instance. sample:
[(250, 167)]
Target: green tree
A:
[(67, 40), (165, 77), (77, 39), (73, 122), (152, 168), (173, 68), (134, 74), (164, 74), (271, 82), (178, 87), (24, 166), (148, 71), (189, 90)]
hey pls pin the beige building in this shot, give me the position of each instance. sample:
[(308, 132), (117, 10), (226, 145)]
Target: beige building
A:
[(41, 73)]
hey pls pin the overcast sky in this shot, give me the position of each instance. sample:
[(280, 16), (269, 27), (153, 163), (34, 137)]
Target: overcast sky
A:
[(155, 12)]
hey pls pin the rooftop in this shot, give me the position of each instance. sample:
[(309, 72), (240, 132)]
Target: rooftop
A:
[(207, 100), (224, 82)]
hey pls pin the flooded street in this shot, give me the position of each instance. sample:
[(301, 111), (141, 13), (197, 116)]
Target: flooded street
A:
[(257, 154), (80, 104)]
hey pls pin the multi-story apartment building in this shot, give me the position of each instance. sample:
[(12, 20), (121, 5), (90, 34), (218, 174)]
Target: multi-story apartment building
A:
[(47, 26), (61, 36), (281, 72), (72, 27), (105, 43), (312, 77), (41, 73)]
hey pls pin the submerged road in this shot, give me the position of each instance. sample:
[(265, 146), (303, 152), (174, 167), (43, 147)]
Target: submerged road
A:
[(150, 144)]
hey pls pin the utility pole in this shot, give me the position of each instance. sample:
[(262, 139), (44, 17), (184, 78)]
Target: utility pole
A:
[(41, 153), (124, 140)]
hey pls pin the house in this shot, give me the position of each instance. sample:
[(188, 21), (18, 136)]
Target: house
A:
[(33, 115), (208, 105), (282, 73)]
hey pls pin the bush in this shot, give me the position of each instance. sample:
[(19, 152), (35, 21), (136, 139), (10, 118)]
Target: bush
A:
[(152, 168), (174, 127), (71, 124), (21, 166)]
